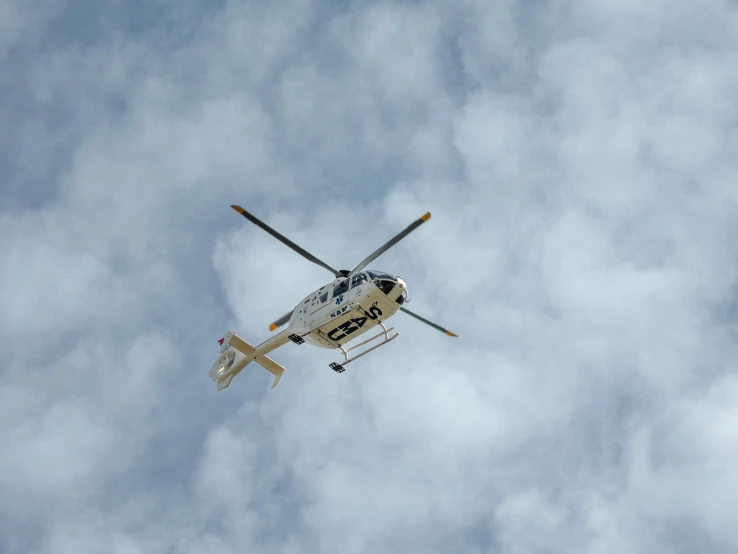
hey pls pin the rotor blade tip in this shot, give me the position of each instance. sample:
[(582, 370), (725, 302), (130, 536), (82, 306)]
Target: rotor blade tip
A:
[(273, 326), (450, 334), (239, 209), (426, 217)]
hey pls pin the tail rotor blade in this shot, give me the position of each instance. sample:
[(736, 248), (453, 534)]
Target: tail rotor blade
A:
[(284, 240), (416, 316), (390, 243)]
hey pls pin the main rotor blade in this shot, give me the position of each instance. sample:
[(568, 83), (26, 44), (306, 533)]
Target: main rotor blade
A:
[(281, 321), (304, 253), (416, 316), (390, 243)]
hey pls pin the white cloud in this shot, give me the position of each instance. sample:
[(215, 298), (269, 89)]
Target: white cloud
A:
[(578, 163), (17, 21)]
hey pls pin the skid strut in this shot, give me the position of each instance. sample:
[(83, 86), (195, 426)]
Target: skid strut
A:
[(339, 367)]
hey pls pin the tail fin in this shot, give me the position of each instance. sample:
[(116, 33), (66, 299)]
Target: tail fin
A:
[(225, 382), (230, 364), (270, 365)]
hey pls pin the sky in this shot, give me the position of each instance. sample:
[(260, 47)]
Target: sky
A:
[(579, 160)]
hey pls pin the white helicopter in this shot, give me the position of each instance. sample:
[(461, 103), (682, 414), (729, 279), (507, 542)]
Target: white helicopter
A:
[(332, 316)]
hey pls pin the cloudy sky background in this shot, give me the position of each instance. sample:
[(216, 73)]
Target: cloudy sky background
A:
[(579, 159)]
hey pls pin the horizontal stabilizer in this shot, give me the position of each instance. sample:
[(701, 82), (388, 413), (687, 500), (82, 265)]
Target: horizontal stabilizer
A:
[(273, 367), (241, 345)]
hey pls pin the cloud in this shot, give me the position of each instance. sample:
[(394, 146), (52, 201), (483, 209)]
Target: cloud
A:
[(578, 161)]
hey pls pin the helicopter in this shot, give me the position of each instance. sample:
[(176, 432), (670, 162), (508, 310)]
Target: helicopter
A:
[(331, 317)]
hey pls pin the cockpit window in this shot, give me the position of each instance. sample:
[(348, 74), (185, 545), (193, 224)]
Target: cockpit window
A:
[(323, 297), (340, 288), (402, 298), (383, 281), (357, 279), (380, 275)]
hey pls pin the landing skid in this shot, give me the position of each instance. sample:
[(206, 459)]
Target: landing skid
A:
[(339, 367)]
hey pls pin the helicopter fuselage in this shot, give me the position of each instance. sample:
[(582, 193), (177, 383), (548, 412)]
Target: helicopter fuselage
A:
[(341, 311)]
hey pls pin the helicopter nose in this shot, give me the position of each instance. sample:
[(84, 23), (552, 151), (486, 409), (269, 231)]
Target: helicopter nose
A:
[(401, 290)]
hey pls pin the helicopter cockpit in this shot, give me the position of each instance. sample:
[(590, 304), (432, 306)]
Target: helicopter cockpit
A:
[(383, 281), (386, 282)]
